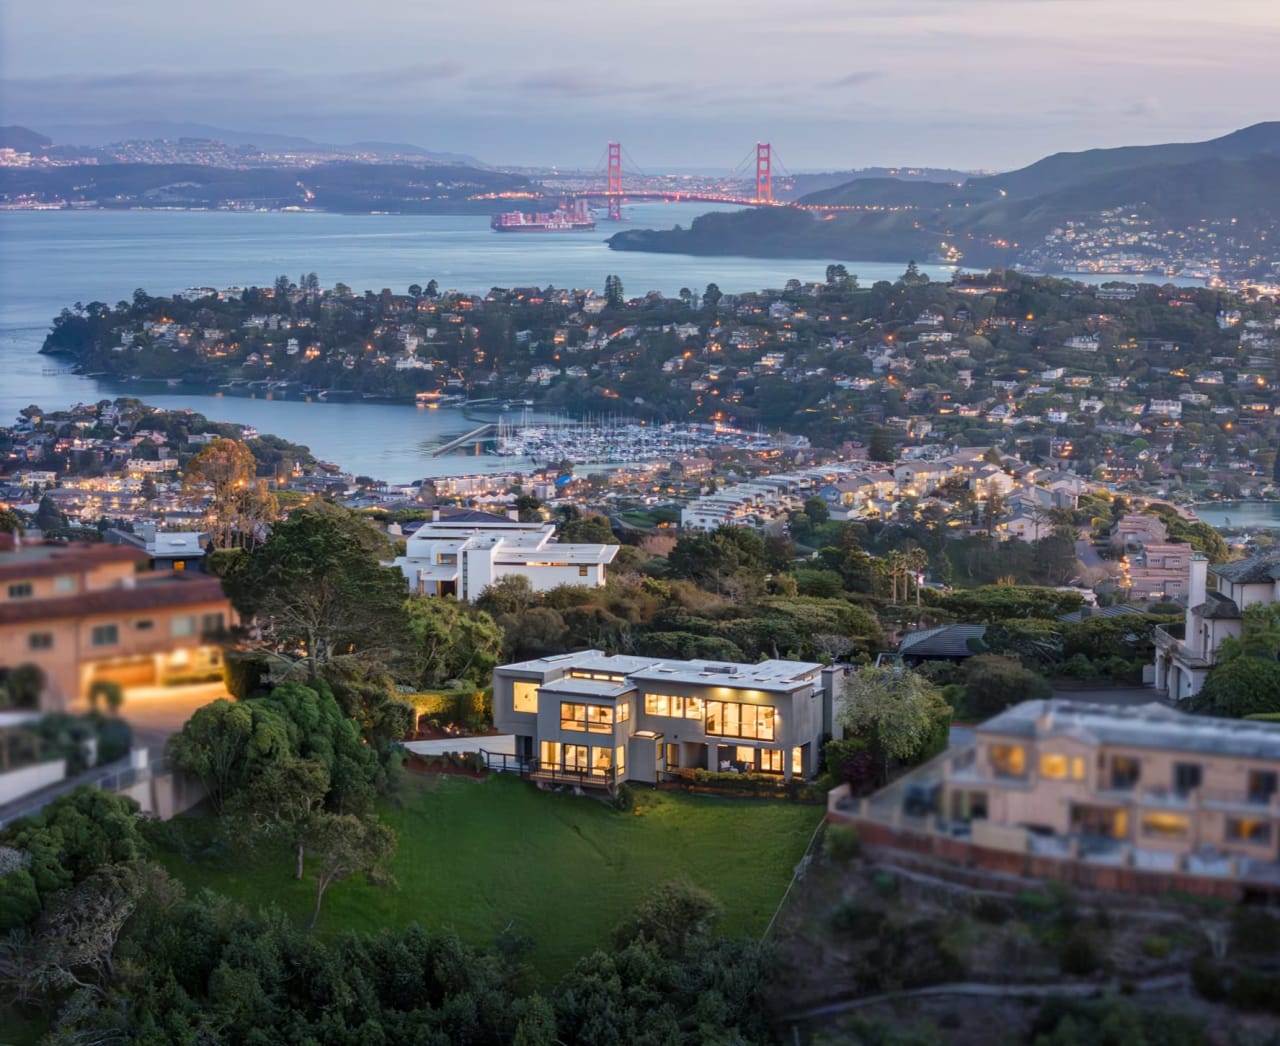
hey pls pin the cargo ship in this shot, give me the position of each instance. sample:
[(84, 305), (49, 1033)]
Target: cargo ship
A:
[(578, 219)]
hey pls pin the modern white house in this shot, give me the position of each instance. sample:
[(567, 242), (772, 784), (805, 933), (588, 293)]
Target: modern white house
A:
[(1216, 598), (461, 552), (594, 718)]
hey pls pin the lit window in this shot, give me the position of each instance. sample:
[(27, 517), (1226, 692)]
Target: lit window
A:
[(620, 759), (624, 711), (1248, 830), (549, 751), (582, 572), (731, 719), (573, 717), (1053, 765), (575, 758), (599, 719), (524, 697), (601, 761), (1008, 760), (1165, 826)]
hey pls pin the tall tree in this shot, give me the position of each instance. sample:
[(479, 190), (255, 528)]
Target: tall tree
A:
[(240, 507), (344, 846), (897, 710)]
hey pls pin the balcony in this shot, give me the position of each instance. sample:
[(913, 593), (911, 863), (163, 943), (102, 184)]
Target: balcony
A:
[(1169, 637)]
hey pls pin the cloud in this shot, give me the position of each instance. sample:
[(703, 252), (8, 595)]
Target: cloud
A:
[(407, 75), (575, 82)]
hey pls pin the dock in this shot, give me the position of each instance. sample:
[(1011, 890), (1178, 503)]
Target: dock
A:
[(474, 436)]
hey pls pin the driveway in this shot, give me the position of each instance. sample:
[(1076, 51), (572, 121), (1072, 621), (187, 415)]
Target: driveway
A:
[(155, 712)]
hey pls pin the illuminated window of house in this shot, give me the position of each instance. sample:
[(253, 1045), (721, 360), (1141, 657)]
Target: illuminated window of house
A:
[(657, 704), (599, 719), (549, 753), (1125, 771), (1054, 765), (524, 697), (797, 761), (620, 759), (573, 717), (624, 711), (1008, 760), (582, 572), (1248, 830), (104, 635), (771, 760), (601, 761), (1165, 826), (731, 719), (575, 758), (672, 757)]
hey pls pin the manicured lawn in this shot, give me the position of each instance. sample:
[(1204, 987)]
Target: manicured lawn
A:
[(481, 856)]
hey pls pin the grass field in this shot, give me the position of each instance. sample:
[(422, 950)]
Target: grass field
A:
[(479, 856)]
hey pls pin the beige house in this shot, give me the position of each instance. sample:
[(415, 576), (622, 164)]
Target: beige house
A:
[(89, 612), (1216, 597), (1146, 787)]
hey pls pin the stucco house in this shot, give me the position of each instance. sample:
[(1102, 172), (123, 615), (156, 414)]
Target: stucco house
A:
[(598, 719), (1216, 598), (462, 552)]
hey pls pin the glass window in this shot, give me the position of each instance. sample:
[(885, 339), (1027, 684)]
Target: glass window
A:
[(582, 572), (524, 697), (1248, 830), (620, 759), (573, 717), (1077, 768), (672, 756), (549, 753), (1186, 777), (624, 711), (105, 635), (1125, 771), (599, 719), (1262, 785), (20, 590), (64, 583), (183, 625), (145, 625), (1054, 765), (40, 641), (1165, 826), (211, 624), (575, 758), (657, 704), (771, 760), (731, 719), (1008, 760), (601, 761), (797, 761)]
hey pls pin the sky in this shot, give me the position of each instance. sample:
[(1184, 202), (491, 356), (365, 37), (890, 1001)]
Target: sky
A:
[(832, 84)]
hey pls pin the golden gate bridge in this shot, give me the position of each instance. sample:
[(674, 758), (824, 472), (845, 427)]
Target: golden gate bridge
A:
[(614, 193)]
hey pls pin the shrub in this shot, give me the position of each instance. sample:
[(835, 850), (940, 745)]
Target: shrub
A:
[(1156, 947), (1254, 931), (841, 842), (857, 919), (1079, 954), (243, 676), (624, 798), (885, 883), (1208, 978)]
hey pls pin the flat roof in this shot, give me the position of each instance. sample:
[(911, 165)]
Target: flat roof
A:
[(1138, 726), (587, 687)]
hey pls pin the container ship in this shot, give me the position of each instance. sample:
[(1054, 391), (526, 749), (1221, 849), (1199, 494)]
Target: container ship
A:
[(578, 219)]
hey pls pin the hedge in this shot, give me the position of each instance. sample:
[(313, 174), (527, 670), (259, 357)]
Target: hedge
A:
[(458, 706)]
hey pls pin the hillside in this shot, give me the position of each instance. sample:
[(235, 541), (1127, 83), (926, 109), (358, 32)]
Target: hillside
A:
[(1208, 204), (23, 139), (347, 187), (1065, 169)]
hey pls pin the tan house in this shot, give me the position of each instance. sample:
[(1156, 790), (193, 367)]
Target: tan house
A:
[(1216, 598), (87, 612), (1147, 787)]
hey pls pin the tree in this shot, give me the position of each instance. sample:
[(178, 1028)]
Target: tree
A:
[(240, 507), (282, 799), (896, 710), (993, 683), (217, 743), (49, 517), (318, 597), (1243, 686), (1259, 634), (9, 522), (450, 640), (613, 292), (345, 845), (711, 297), (880, 447)]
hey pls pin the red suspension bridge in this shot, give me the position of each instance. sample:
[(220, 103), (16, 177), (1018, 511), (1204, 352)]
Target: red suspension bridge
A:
[(734, 190)]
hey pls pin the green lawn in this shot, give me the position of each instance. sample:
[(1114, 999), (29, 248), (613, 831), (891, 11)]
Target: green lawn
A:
[(478, 856)]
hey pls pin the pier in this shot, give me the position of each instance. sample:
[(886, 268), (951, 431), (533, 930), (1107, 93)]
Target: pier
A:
[(475, 435)]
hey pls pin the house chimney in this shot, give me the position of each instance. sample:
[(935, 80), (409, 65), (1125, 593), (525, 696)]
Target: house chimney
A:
[(1196, 582)]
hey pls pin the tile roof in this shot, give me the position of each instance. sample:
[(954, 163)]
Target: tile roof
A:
[(152, 592), (48, 558), (1254, 571)]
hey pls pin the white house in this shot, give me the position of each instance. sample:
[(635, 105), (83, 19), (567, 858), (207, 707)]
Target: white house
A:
[(461, 552)]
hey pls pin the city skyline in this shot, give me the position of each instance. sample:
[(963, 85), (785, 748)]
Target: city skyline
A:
[(983, 84)]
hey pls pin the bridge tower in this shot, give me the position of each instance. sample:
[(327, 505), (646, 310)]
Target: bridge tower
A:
[(764, 172), (615, 182)]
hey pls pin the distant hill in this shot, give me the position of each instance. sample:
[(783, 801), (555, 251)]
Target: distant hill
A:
[(347, 187), (804, 184), (23, 139), (1231, 180), (98, 135), (1063, 169)]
